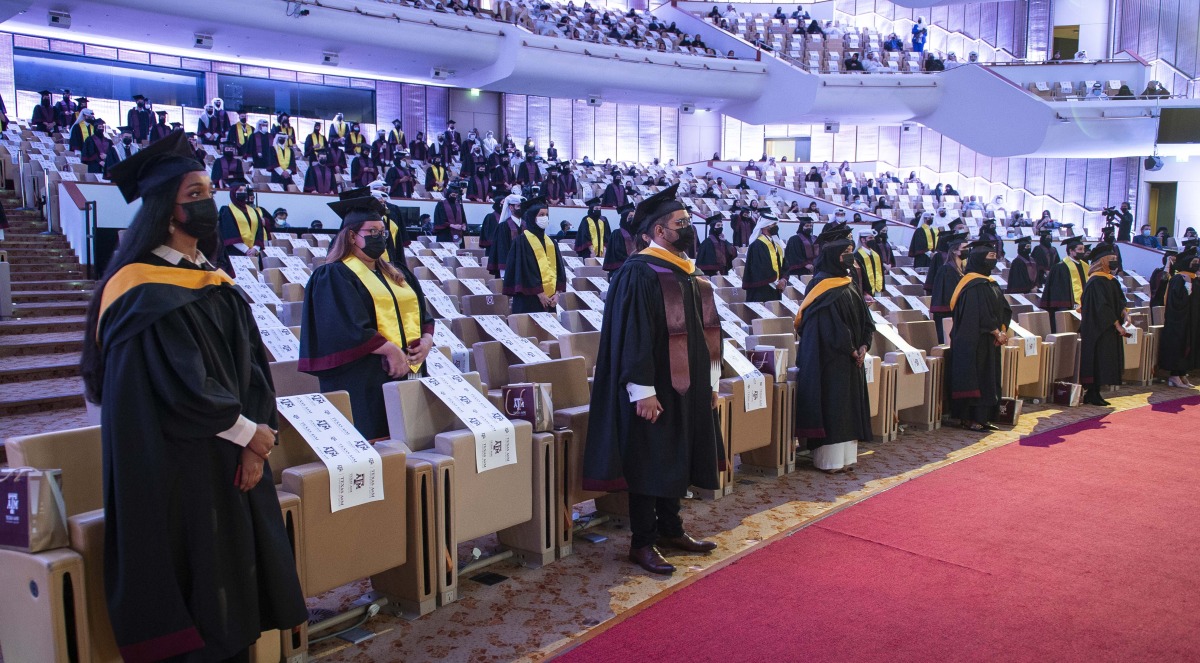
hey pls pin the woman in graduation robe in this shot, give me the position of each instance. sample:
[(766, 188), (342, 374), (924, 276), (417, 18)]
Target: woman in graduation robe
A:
[(716, 254), (197, 563), (1101, 326), (592, 237), (653, 429), (1065, 281), (1045, 256), (763, 278), (801, 250), (835, 328), (1022, 273), (948, 276), (1160, 278), (488, 227), (365, 322), (534, 273), (508, 228), (242, 225), (981, 318), (1181, 316), (623, 241)]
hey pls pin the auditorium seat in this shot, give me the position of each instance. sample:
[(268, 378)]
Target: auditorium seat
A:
[(584, 344), (289, 381), (485, 305)]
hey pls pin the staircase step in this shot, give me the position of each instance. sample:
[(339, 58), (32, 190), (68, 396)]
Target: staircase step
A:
[(25, 264), (25, 345), (20, 252), (57, 284), (41, 422), (31, 296), (41, 396), (39, 367), (39, 275), (49, 309), (43, 325)]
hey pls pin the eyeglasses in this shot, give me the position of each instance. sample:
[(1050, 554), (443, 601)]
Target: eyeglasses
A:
[(379, 232)]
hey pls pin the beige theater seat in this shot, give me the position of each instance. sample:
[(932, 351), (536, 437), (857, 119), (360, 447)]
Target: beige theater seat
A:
[(289, 381), (584, 344), (575, 322), (485, 305), (524, 325), (288, 292)]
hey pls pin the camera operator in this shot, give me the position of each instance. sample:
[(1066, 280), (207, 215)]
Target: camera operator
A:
[(1124, 221)]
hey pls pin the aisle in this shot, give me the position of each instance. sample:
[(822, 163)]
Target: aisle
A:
[(1071, 545)]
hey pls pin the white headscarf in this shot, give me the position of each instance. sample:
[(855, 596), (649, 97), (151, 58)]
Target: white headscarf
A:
[(506, 211), (489, 144), (763, 224)]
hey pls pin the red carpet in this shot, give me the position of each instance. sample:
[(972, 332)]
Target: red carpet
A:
[(1079, 544)]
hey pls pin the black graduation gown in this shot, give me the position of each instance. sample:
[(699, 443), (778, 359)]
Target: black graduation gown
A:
[(446, 215), (231, 235), (1158, 286), (939, 298), (715, 256), (1058, 295), (884, 249), (620, 246), (418, 150), (1022, 276), (1045, 257), (190, 561), (338, 335), (43, 116), (919, 248), (1181, 315), (973, 364), (614, 196), (159, 132), (139, 121), (503, 239), (486, 231), (523, 276), (1101, 355), (320, 179), (760, 275), (743, 225), (584, 242), (397, 235), (401, 181), (936, 261), (800, 255), (682, 448), (832, 405)]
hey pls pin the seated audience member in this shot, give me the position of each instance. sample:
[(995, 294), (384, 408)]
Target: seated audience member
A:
[(1146, 239), (893, 44), (852, 63), (1155, 90)]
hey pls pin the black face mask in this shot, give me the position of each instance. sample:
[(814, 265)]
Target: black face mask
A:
[(374, 246), (202, 218), (685, 238), (717, 230), (1025, 251), (989, 265), (127, 141), (882, 235), (848, 260), (1115, 266), (240, 196), (773, 231)]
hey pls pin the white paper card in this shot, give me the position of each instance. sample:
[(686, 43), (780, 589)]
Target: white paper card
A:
[(495, 435), (280, 342), (756, 384), (735, 332), (259, 293), (869, 369), (796, 283), (550, 323), (762, 311), (887, 303), (1133, 332), (295, 275), (275, 252), (468, 261), (264, 317), (592, 300), (437, 364), (1020, 299), (355, 468), (734, 280), (318, 251), (594, 318), (791, 305), (442, 304), (243, 265), (574, 262), (439, 270), (295, 261), (444, 338), (915, 361), (916, 304), (1031, 341), (477, 287), (600, 282), (495, 327)]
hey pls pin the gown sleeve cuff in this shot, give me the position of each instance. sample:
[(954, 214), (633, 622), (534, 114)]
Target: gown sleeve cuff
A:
[(637, 392), (241, 432)]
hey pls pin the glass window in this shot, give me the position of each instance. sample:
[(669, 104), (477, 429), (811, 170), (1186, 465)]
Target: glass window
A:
[(262, 95), (106, 79)]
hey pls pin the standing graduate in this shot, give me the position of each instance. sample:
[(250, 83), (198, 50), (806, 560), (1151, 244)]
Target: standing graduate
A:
[(1101, 327), (653, 430), (401, 178), (315, 143), (82, 130), (743, 221), (490, 221), (988, 233), (623, 241), (1023, 272), (260, 147), (716, 254), (592, 235), (1064, 283), (508, 227), (435, 176), (948, 277), (338, 129), (614, 193), (418, 148), (832, 409), (528, 174), (880, 244), (209, 126), (1177, 351), (240, 132), (534, 273), (365, 322), (801, 251), (160, 130), (43, 114), (321, 177), (1045, 256), (869, 267), (197, 563), (356, 143), (95, 148), (981, 319), (924, 241), (286, 129), (363, 170), (551, 185), (1161, 276), (139, 119), (393, 223), (449, 217), (937, 259), (120, 150), (480, 187), (241, 224), (284, 167), (66, 111), (566, 180), (763, 279), (396, 138)]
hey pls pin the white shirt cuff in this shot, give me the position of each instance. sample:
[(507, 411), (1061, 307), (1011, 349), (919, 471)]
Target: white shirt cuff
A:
[(637, 392), (241, 246), (714, 372), (241, 432)]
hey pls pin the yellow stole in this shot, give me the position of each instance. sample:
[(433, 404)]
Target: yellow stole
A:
[(685, 264), (290, 132), (597, 236), (340, 128), (397, 313), (874, 269), (776, 263), (821, 288), (962, 283), (134, 274), (243, 132), (355, 142), (547, 261), (394, 233), (284, 156), (247, 224), (1076, 279), (398, 138), (1190, 276), (318, 141), (930, 236), (438, 174), (85, 131)]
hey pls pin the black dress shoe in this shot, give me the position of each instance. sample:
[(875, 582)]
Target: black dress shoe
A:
[(687, 544), (650, 559), (1094, 398), (989, 426)]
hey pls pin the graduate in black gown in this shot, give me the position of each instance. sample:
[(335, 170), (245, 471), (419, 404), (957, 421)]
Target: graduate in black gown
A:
[(1045, 256), (948, 275), (764, 279), (365, 322), (801, 251), (449, 217), (716, 254), (243, 225), (197, 563), (1101, 328), (623, 241), (490, 222), (981, 319), (1064, 283), (880, 244), (507, 229), (924, 241), (653, 429), (832, 409), (1161, 276), (988, 233), (43, 118), (534, 272), (1022, 272), (1177, 350), (591, 238)]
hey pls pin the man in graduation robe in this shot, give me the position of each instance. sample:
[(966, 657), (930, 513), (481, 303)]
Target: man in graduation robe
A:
[(924, 241), (614, 193), (566, 181), (435, 176), (1103, 316), (211, 126), (879, 244), (82, 130), (315, 143), (260, 147), (1022, 272), (653, 430), (239, 133), (763, 278), (401, 178), (395, 136), (591, 238), (490, 222), (946, 282), (449, 217), (283, 160), (1177, 350), (363, 170), (197, 562), (508, 226), (451, 143), (623, 241), (1161, 276), (338, 128), (320, 178), (241, 224), (1064, 283), (479, 187), (139, 119), (161, 129), (833, 412), (120, 150), (336, 156), (869, 267), (529, 175), (552, 186), (356, 143), (1045, 256), (801, 251), (66, 111), (716, 254), (95, 149), (981, 318), (43, 118), (418, 149), (285, 128), (534, 273)]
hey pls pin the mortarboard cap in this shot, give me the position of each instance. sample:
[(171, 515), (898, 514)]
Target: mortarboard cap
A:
[(834, 232), (148, 170), (176, 125), (356, 206), (594, 202), (234, 182), (1072, 241), (138, 97), (656, 206), (45, 92), (125, 130), (714, 218), (160, 113), (81, 100), (982, 245), (1025, 240), (956, 239), (879, 226), (1100, 251)]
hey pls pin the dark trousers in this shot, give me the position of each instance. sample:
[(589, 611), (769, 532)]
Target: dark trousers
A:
[(651, 517)]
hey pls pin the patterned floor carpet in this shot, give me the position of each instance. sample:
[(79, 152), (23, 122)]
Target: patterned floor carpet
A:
[(539, 611)]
